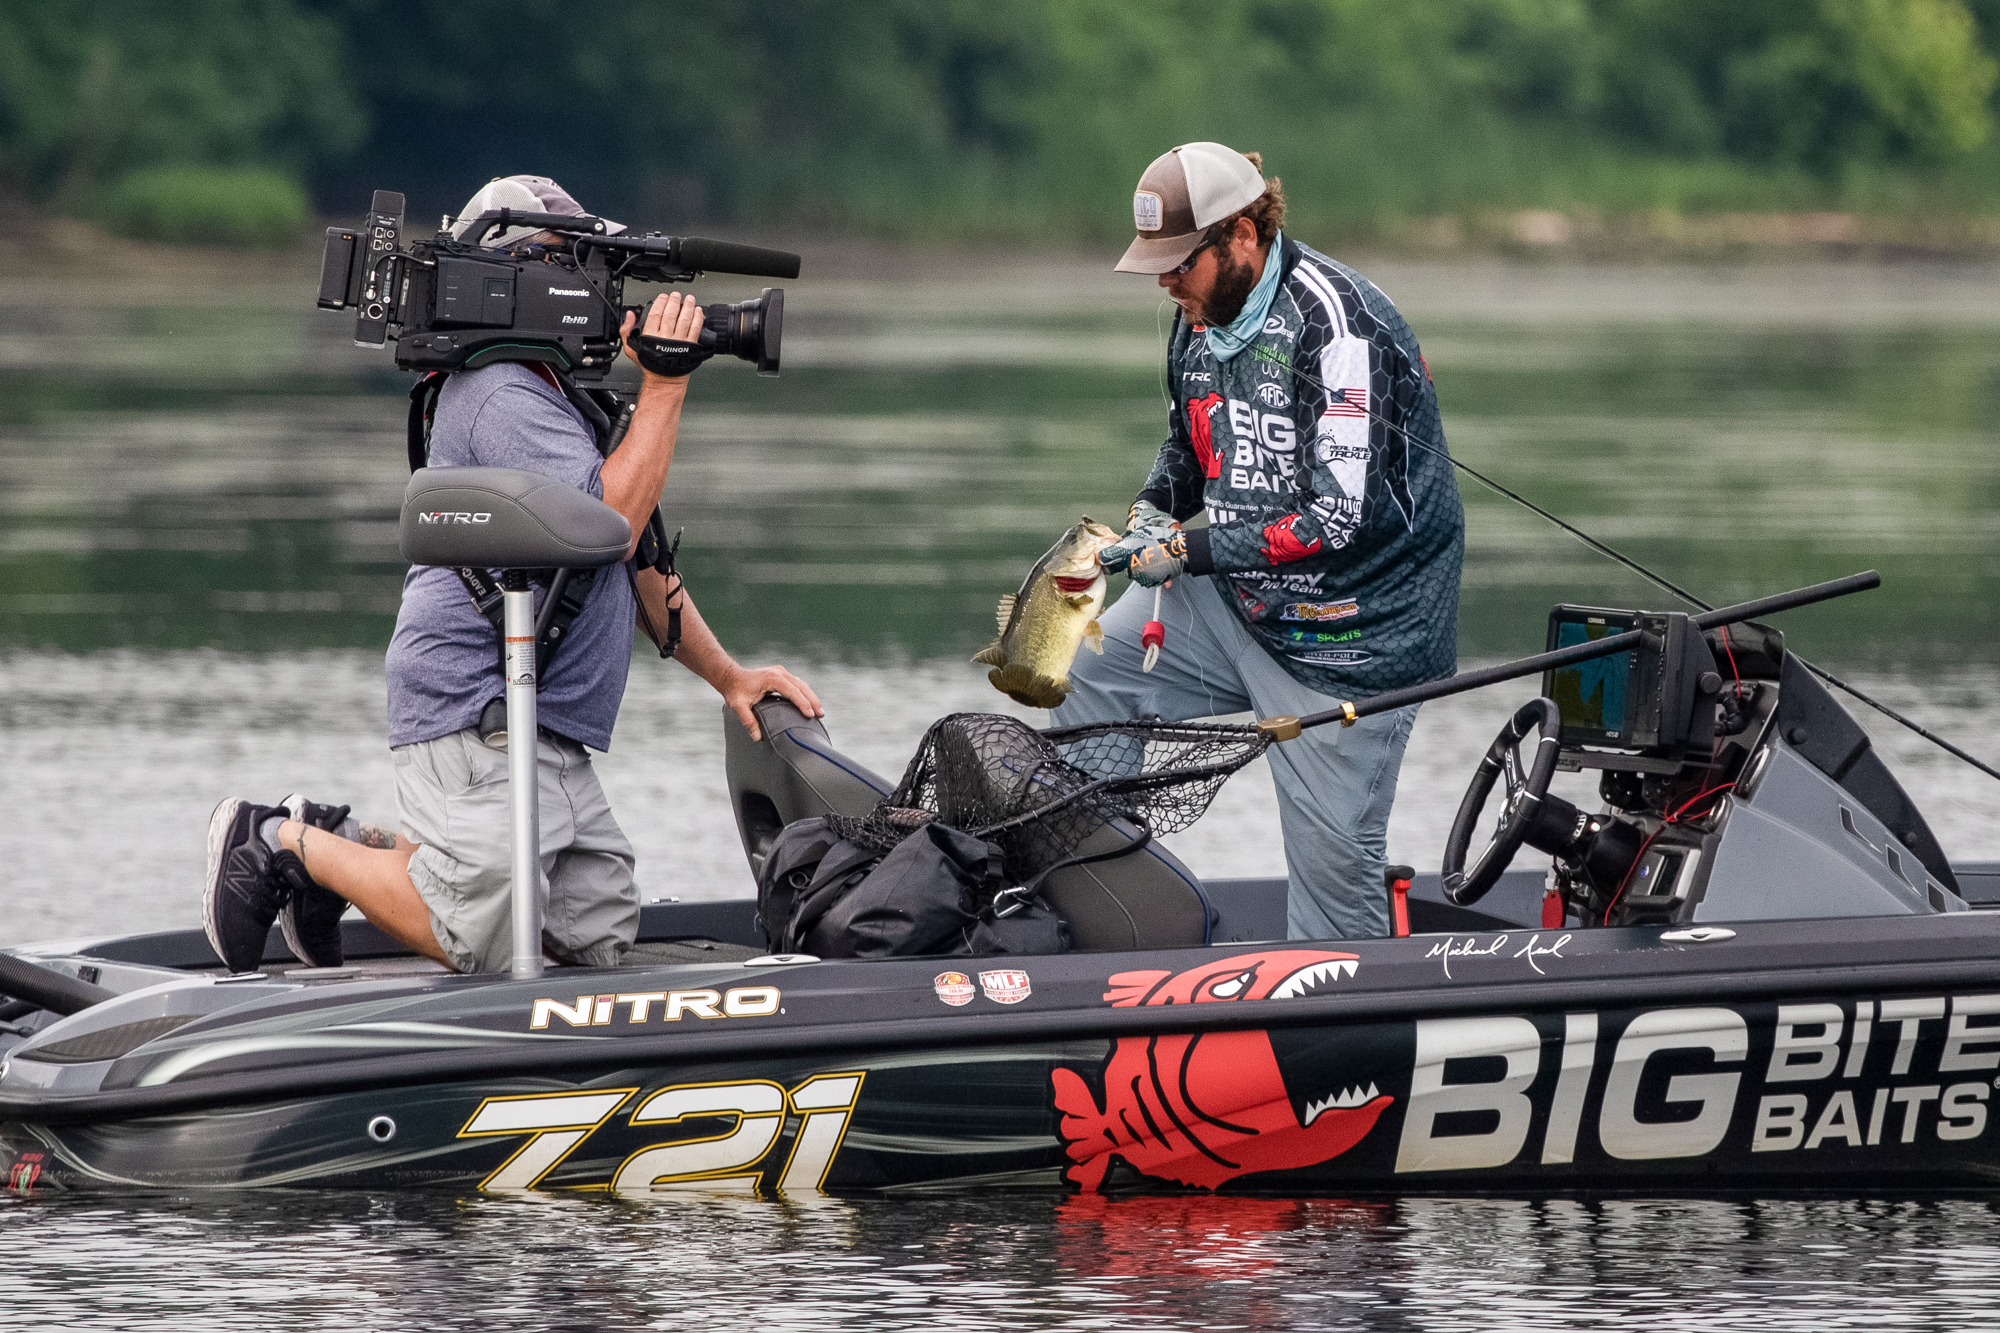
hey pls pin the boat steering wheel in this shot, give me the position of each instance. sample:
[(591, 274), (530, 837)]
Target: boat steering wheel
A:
[(1524, 799)]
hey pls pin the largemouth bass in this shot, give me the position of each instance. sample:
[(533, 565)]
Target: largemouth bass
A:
[(1042, 625)]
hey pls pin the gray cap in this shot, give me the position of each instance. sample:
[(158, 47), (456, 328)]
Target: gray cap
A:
[(528, 194), (1186, 191)]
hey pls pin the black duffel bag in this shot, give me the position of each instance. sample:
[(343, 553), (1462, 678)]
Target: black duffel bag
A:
[(809, 867), (920, 898), (938, 891)]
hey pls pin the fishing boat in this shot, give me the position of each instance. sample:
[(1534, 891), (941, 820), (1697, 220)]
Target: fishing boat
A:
[(1752, 968)]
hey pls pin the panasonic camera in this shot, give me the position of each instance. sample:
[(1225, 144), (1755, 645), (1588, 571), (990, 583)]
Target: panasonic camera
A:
[(451, 304)]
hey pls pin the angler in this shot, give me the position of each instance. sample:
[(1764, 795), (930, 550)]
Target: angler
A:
[(1303, 423)]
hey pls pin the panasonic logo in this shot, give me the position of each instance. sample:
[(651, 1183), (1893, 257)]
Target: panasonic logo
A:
[(566, 291), (441, 516)]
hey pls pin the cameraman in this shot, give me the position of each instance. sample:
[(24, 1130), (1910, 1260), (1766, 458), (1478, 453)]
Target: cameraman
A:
[(442, 886)]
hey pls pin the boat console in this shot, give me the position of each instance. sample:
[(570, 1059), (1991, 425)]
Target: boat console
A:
[(1734, 787)]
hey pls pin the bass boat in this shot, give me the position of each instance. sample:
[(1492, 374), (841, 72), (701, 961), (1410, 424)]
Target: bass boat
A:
[(1751, 968)]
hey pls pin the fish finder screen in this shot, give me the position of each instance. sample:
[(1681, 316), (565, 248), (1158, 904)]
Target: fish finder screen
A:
[(1594, 697)]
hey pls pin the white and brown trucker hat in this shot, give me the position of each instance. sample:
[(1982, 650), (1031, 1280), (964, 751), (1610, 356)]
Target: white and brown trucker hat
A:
[(529, 194), (1186, 191)]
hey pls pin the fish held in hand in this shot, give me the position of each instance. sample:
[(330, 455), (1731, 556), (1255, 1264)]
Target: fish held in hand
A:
[(1055, 612)]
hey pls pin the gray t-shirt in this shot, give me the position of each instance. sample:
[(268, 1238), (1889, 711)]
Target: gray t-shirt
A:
[(444, 661)]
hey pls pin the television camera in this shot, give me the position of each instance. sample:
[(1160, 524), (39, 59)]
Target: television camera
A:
[(451, 304)]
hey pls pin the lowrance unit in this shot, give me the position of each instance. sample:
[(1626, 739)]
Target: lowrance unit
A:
[(1652, 700)]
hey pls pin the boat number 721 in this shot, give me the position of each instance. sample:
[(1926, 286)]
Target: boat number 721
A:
[(557, 1123)]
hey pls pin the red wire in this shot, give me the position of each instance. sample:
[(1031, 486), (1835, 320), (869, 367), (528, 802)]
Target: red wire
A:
[(1673, 818), (1730, 653)]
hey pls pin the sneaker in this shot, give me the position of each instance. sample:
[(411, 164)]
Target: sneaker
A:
[(242, 896), (310, 918)]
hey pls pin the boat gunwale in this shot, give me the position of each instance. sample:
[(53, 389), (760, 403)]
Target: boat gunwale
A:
[(1530, 995)]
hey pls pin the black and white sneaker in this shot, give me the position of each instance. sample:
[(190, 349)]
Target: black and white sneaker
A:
[(242, 896), (310, 918)]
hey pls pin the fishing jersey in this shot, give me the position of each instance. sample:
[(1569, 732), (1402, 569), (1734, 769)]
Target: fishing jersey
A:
[(1335, 526)]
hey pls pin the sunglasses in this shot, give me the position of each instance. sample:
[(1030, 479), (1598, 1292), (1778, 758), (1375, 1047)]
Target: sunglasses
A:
[(1187, 265)]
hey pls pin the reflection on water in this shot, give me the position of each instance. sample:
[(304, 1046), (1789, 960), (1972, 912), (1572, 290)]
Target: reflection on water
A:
[(306, 1260)]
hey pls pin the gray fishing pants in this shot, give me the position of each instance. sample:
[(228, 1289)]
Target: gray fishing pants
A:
[(453, 796), (1335, 784)]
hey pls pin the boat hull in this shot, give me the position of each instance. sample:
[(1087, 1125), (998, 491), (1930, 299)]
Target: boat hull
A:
[(1823, 1055)]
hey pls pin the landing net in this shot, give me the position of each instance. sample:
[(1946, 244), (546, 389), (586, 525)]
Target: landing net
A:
[(1039, 794)]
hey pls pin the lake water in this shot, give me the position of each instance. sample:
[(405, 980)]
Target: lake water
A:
[(199, 477)]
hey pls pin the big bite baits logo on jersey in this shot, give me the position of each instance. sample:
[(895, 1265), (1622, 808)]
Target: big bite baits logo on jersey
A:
[(1202, 1109), (1201, 432)]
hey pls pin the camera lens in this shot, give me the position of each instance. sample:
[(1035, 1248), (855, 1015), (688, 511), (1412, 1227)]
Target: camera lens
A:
[(750, 330)]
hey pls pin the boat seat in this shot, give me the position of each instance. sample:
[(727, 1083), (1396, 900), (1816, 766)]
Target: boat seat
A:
[(793, 773), (1147, 900), (501, 518)]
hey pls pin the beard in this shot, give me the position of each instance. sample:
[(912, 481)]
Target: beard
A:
[(1233, 282)]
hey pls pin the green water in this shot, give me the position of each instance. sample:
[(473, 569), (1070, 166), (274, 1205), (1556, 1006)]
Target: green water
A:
[(200, 474), (220, 467)]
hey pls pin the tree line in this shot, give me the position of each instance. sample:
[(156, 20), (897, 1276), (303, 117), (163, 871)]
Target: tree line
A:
[(992, 118)]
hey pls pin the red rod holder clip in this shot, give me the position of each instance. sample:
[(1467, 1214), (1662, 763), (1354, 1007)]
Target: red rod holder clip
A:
[(1398, 879)]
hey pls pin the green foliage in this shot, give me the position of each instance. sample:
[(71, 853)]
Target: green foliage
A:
[(1021, 117), (93, 89), (205, 206)]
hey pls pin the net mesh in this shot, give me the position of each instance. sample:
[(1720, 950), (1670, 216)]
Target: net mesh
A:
[(1039, 794)]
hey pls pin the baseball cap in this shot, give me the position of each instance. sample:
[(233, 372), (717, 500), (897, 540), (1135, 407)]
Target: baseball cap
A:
[(1186, 191), (528, 194)]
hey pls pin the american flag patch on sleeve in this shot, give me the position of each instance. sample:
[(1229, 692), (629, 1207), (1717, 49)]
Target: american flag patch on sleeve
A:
[(1347, 403)]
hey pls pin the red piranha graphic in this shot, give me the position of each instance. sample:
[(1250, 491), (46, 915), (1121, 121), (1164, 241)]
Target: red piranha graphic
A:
[(1203, 1109)]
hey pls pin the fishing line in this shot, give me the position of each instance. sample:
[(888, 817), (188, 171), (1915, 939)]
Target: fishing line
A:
[(1658, 580)]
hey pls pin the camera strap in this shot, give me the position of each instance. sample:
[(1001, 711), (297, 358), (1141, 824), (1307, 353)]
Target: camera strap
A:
[(569, 590), (610, 417)]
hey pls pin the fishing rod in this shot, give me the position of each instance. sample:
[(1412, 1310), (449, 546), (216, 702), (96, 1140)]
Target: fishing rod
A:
[(1656, 579), (1349, 713)]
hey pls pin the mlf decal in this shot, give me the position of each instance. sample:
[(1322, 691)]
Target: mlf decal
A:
[(1204, 1108)]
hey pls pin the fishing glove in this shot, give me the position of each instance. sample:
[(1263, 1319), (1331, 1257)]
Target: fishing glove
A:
[(1149, 523), (1157, 562), (664, 356)]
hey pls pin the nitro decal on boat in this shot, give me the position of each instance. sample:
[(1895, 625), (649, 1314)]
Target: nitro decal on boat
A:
[(1006, 985), (954, 988), (1204, 1109), (640, 1007)]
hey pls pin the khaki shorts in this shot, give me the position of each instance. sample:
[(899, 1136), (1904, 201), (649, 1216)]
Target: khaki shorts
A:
[(453, 796)]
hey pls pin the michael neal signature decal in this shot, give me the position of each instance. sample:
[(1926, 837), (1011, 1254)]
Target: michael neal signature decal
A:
[(1533, 951)]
